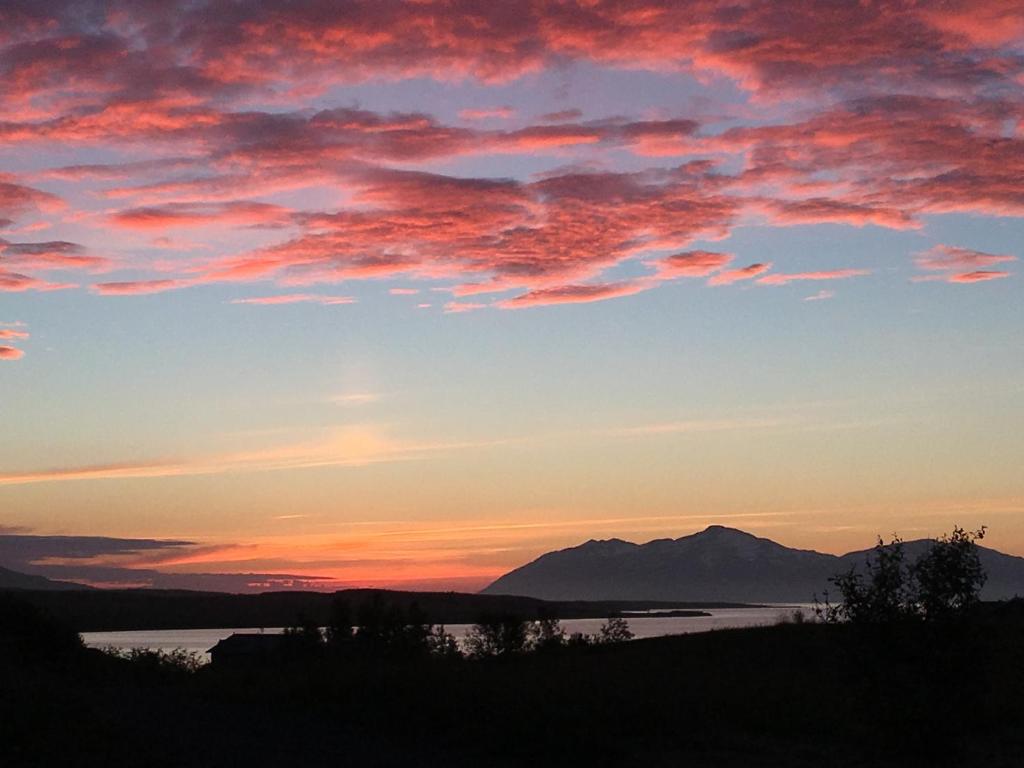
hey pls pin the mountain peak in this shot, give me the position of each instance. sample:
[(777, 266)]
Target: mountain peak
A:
[(720, 534), (605, 545), (724, 530)]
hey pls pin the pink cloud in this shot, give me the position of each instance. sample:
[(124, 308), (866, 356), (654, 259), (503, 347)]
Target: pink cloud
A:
[(885, 160), (731, 276), (457, 307), (197, 214), (9, 334), (52, 255), (826, 211), (574, 294), (403, 291), (492, 235), (761, 45), (106, 171), (493, 113), (977, 276), (560, 117), (15, 199), (960, 265), (10, 353), (137, 287), (117, 74), (213, 97), (15, 282), (833, 274), (949, 257), (543, 137), (690, 264), (981, 22)]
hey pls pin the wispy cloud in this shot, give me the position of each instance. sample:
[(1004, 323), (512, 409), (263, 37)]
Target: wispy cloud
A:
[(831, 274), (458, 307), (353, 446), (693, 426), (297, 298), (821, 295), (354, 398), (576, 294), (730, 276), (487, 113), (139, 287), (952, 264)]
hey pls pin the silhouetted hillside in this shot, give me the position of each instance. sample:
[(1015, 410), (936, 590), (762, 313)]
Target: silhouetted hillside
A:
[(716, 564), (13, 580)]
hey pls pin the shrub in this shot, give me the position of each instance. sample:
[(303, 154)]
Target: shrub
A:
[(442, 644), (614, 630), (950, 576), (177, 660), (545, 635), (498, 635), (944, 583), (883, 593)]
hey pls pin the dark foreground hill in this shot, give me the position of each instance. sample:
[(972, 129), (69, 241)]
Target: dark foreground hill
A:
[(14, 580), (716, 564), (101, 610), (795, 695)]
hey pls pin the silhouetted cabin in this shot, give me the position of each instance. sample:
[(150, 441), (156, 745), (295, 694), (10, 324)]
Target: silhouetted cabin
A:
[(241, 649)]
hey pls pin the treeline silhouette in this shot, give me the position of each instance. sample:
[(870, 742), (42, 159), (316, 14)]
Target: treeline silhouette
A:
[(382, 629)]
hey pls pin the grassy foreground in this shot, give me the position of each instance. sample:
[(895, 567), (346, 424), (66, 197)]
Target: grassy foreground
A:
[(790, 695)]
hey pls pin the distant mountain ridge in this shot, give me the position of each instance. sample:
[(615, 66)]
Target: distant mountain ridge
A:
[(15, 580), (716, 564)]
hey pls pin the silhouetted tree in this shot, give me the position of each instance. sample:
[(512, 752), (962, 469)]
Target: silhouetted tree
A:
[(304, 637), (949, 575), (380, 627), (545, 634), (26, 634), (614, 630), (157, 661), (386, 630), (497, 635), (945, 582), (338, 633), (442, 644), (882, 593), (579, 640)]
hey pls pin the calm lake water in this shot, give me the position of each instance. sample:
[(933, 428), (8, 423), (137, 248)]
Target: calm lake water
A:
[(201, 640)]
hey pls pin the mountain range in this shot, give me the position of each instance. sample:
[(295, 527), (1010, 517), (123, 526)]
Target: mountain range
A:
[(716, 564)]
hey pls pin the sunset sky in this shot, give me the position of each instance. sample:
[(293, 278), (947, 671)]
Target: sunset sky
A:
[(408, 293)]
